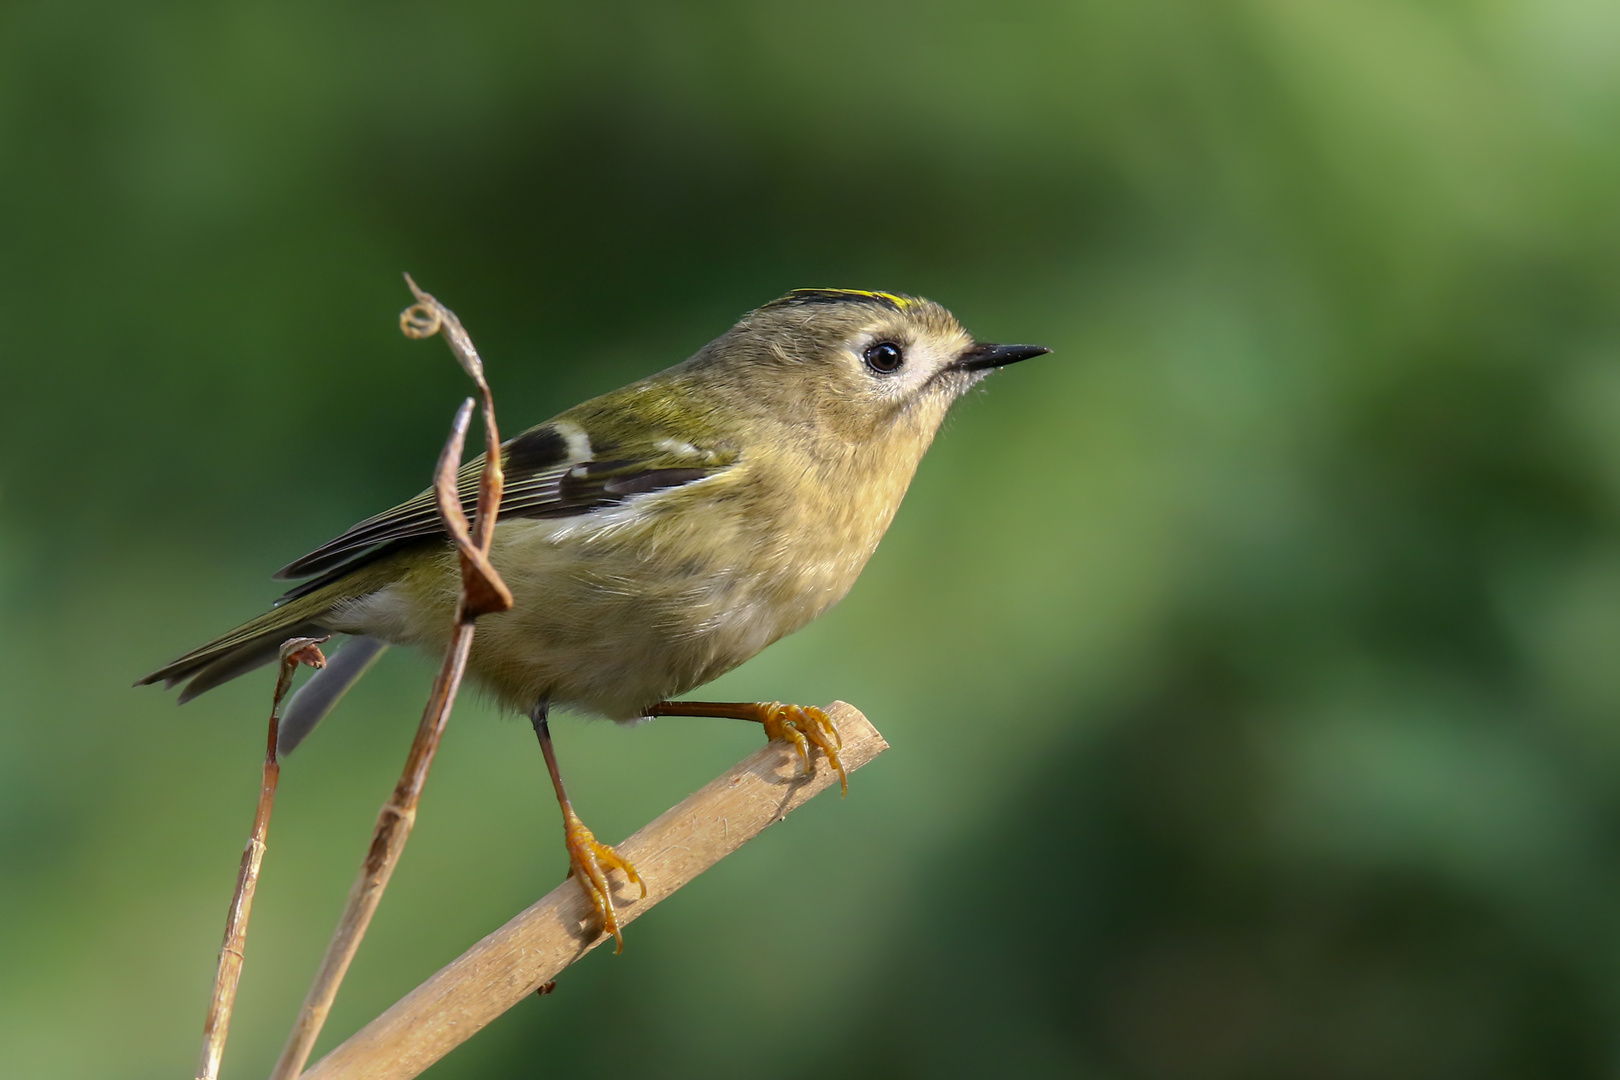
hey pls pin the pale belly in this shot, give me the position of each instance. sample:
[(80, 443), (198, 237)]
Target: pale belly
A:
[(593, 627)]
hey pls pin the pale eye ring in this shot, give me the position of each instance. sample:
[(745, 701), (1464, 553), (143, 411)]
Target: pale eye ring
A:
[(884, 357)]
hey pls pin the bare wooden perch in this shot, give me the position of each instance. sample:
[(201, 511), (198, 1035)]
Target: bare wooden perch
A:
[(528, 952)]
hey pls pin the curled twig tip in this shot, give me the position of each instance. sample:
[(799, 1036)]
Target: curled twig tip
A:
[(424, 318), (427, 317), (419, 321), (304, 650)]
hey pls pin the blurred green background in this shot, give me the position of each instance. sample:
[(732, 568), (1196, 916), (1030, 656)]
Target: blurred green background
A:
[(1252, 664)]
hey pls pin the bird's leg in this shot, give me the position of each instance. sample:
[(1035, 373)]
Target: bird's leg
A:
[(802, 726), (589, 861)]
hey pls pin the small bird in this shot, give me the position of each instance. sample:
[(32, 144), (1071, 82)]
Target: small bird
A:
[(653, 538)]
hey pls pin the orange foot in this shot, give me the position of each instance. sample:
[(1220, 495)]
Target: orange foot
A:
[(804, 726), (589, 863)]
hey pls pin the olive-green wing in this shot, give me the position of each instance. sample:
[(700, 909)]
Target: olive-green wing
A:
[(551, 471)]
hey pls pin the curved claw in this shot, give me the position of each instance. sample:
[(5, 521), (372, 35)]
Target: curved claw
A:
[(589, 863), (803, 726)]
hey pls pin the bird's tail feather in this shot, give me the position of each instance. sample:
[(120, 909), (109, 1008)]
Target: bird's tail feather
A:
[(258, 641), (233, 660)]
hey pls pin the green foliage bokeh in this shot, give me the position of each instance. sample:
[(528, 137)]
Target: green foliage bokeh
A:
[(1249, 663)]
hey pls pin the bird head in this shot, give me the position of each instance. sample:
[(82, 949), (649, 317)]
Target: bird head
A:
[(854, 364)]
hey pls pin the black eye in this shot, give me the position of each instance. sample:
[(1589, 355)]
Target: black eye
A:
[(884, 356)]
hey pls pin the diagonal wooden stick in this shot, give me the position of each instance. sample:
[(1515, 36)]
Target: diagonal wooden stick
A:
[(482, 592), (525, 954)]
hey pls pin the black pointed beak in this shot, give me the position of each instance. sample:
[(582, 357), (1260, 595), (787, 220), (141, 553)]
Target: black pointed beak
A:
[(986, 355)]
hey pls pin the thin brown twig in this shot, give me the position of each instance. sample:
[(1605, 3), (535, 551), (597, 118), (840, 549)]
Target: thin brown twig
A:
[(525, 955), (482, 592), (228, 972)]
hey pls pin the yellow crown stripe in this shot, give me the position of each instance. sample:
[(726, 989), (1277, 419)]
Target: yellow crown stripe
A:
[(894, 300)]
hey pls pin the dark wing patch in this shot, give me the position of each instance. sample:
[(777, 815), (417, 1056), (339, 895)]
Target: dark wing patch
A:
[(540, 483), (601, 484), (536, 449), (651, 480)]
